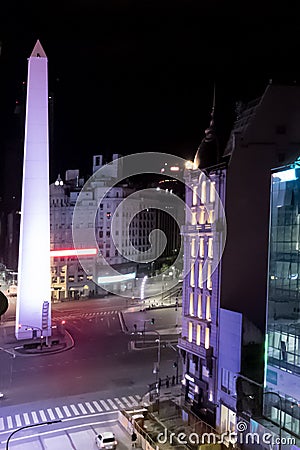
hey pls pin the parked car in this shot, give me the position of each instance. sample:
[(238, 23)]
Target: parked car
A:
[(106, 440)]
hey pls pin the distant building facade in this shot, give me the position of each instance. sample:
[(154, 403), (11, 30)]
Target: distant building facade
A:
[(69, 279)]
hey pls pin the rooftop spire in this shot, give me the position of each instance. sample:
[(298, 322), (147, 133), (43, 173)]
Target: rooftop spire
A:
[(207, 153), (38, 51)]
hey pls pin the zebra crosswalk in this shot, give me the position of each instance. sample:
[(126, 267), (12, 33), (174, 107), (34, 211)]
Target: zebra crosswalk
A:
[(68, 411), (99, 313)]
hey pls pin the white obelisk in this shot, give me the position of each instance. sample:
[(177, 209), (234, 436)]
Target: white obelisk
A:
[(33, 312)]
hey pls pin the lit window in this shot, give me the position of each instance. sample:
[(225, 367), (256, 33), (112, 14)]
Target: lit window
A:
[(203, 192), (195, 195), (208, 308), (192, 279), (198, 337), (207, 338), (201, 247), (194, 218), (211, 216), (209, 281), (210, 248), (212, 193), (190, 337), (193, 248), (202, 216), (191, 304), (199, 306), (200, 276)]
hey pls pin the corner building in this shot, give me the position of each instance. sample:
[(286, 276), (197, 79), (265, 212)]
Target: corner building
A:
[(200, 314)]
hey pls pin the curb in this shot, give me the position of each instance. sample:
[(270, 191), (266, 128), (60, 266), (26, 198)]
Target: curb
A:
[(123, 325), (48, 352), (133, 345)]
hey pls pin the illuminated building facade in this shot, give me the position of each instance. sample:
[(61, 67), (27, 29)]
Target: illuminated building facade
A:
[(33, 311), (283, 326), (201, 287), (69, 279)]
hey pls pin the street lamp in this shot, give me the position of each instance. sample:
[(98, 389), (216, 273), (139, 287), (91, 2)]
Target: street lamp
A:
[(280, 413), (34, 328), (30, 426)]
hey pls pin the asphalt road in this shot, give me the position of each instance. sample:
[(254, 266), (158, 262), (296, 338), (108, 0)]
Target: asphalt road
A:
[(100, 361), (69, 434)]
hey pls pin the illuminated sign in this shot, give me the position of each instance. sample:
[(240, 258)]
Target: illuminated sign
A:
[(73, 252), (116, 278)]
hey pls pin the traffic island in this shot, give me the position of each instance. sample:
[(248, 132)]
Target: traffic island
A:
[(57, 343)]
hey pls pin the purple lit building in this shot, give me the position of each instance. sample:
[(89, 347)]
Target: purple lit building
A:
[(204, 239)]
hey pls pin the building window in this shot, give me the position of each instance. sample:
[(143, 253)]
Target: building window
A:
[(211, 216), (193, 248), (208, 308), (203, 192), (201, 247), (228, 381), (202, 216), (192, 275), (191, 303), (210, 248), (195, 195), (199, 306), (200, 275), (212, 192), (190, 336), (209, 281), (207, 338), (194, 218), (198, 336)]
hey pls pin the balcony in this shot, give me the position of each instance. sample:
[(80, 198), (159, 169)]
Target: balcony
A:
[(192, 347), (192, 229)]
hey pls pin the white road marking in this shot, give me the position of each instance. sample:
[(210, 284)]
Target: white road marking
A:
[(9, 422), (18, 420), (111, 403), (132, 399), (119, 403), (89, 406), (75, 410), (51, 415), (98, 406), (1, 423), (82, 408), (67, 412), (59, 413), (34, 417), (43, 415), (26, 418), (105, 405), (126, 401)]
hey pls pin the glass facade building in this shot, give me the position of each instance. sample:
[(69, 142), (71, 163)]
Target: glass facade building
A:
[(282, 387)]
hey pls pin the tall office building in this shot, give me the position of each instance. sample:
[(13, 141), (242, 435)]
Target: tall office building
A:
[(282, 385)]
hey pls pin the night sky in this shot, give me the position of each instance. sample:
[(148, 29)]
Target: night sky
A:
[(130, 76)]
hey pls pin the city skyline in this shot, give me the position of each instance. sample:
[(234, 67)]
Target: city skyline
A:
[(132, 78)]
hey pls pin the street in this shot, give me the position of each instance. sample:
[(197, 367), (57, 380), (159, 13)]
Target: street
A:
[(70, 434), (99, 374)]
